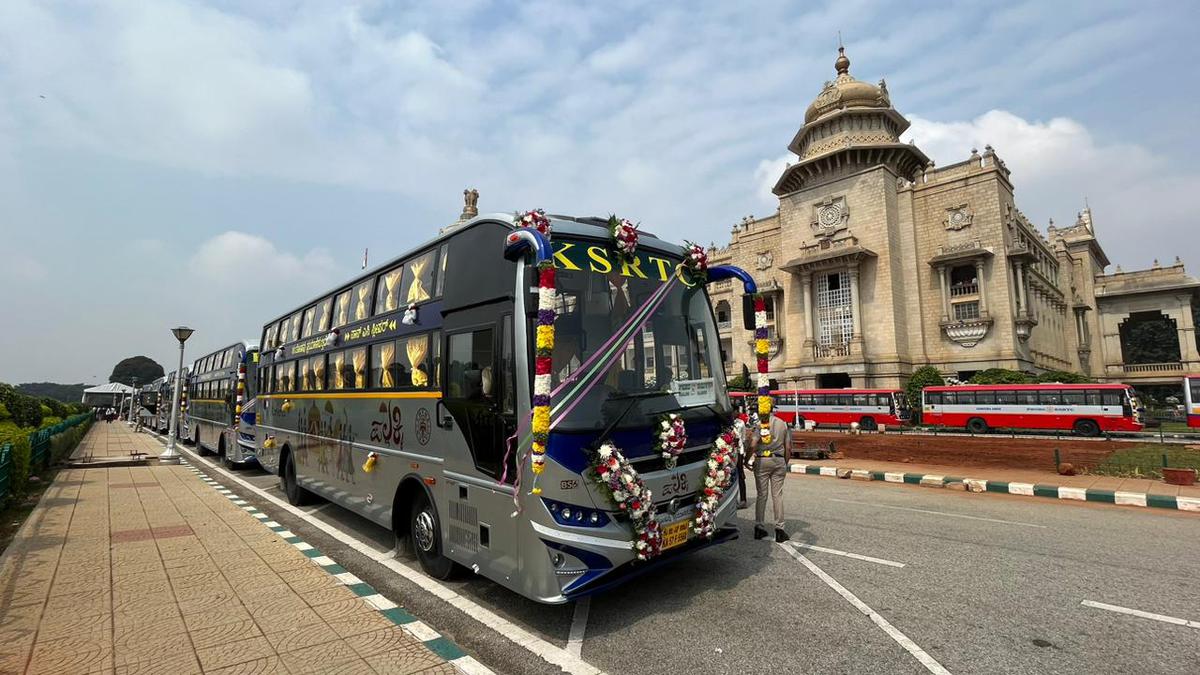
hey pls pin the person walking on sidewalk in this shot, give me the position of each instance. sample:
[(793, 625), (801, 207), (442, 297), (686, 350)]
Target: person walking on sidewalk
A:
[(770, 470), (739, 430)]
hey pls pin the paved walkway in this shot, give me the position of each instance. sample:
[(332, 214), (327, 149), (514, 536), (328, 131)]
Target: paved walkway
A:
[(1142, 485), (150, 570)]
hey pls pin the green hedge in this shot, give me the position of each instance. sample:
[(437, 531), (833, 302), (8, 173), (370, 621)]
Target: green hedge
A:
[(32, 453)]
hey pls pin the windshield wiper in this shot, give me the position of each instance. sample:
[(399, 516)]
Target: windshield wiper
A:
[(649, 393), (633, 398)]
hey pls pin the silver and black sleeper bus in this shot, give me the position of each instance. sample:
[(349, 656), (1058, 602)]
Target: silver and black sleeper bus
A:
[(219, 387), (148, 398), (162, 415), (404, 395)]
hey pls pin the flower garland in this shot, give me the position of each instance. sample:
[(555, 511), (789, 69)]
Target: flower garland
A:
[(544, 349), (718, 477), (671, 438), (624, 486), (624, 236), (695, 260), (760, 352)]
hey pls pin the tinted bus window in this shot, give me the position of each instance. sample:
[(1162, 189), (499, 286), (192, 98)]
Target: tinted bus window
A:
[(1027, 397), (361, 298), (318, 371), (269, 337), (470, 363), (324, 309), (294, 327), (341, 310), (337, 370), (933, 397), (416, 358), (383, 365), (284, 375), (418, 279), (356, 371), (1072, 397), (1112, 397), (1006, 397), (985, 398), (441, 278), (305, 383), (1049, 397), (508, 398), (1092, 396), (387, 292), (435, 342), (310, 318)]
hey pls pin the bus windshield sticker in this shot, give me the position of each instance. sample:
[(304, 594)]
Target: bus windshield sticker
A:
[(694, 392), (577, 256)]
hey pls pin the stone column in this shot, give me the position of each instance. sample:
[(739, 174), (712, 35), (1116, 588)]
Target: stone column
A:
[(944, 287), (1021, 297), (982, 286), (1187, 333), (855, 305), (806, 294)]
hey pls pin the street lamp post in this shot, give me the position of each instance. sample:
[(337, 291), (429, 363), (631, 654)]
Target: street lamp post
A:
[(135, 399), (795, 401), (170, 456)]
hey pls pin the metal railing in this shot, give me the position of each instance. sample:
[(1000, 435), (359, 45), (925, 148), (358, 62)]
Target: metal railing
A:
[(1152, 367), (831, 351), (39, 452)]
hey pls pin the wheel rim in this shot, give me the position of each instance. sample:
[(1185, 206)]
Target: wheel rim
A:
[(423, 531)]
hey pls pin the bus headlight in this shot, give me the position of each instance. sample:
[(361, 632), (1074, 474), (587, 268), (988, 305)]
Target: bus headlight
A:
[(577, 516)]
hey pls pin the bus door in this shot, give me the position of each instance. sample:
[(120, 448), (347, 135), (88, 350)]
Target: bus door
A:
[(478, 411)]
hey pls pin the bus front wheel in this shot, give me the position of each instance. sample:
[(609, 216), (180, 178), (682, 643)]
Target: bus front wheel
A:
[(426, 537), (199, 446), (1087, 428), (867, 424), (976, 425), (296, 495)]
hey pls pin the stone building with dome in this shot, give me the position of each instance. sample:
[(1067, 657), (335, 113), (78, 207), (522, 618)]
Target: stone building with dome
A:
[(877, 263)]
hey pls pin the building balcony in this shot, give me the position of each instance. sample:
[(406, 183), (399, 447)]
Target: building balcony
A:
[(833, 351), (960, 290), (724, 326), (1170, 367)]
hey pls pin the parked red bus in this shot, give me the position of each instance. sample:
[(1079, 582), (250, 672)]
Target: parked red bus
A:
[(869, 407), (1191, 397), (1086, 409)]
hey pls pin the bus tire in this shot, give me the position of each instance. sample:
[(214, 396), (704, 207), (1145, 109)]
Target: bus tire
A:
[(426, 538), (200, 446), (800, 422), (1087, 428), (296, 495), (977, 425), (867, 424)]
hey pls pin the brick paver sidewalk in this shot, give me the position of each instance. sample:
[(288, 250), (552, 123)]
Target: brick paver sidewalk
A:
[(150, 570)]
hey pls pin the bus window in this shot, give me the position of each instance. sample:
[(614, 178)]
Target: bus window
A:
[(1113, 397), (441, 278), (1194, 390), (362, 300), (324, 309), (1049, 397), (416, 355), (387, 292), (317, 368), (383, 365), (845, 399), (269, 337), (860, 399), (418, 279), (436, 342), (1006, 397), (305, 383), (985, 398), (282, 378), (341, 310), (1092, 397), (356, 359), (1072, 397), (1027, 397), (933, 398), (310, 321), (508, 381), (337, 370), (470, 363), (294, 327)]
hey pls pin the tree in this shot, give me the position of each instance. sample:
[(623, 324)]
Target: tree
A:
[(24, 411), (741, 382), (925, 376), (145, 369), (1063, 376), (1001, 376), (67, 393), (1149, 339)]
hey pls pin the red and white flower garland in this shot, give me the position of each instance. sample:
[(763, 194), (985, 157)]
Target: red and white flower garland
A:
[(695, 260), (625, 487), (624, 237), (718, 476), (760, 352), (670, 438), (544, 349)]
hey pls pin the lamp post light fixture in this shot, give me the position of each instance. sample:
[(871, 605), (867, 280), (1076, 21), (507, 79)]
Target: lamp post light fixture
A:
[(134, 400), (171, 456)]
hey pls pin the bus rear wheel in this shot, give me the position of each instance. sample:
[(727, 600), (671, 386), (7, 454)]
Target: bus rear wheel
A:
[(1087, 428), (199, 446), (426, 538), (977, 425), (867, 424), (296, 495)]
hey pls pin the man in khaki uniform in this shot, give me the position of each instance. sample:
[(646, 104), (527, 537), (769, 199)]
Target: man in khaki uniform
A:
[(770, 470)]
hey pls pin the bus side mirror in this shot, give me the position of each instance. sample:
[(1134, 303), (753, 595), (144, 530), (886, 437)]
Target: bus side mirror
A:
[(748, 312)]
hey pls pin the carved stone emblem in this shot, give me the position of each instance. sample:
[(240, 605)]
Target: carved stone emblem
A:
[(958, 217), (765, 260), (829, 216)]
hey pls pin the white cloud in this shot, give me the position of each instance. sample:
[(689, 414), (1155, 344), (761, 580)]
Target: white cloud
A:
[(20, 268), (239, 259)]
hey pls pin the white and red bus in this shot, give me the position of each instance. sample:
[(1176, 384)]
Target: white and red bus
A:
[(1086, 409), (868, 407), (1191, 397)]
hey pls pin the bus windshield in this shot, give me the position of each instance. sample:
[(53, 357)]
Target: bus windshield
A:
[(670, 364)]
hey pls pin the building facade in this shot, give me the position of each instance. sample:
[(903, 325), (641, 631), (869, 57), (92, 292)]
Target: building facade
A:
[(877, 263)]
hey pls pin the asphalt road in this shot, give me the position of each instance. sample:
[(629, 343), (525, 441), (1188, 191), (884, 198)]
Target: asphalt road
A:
[(988, 584)]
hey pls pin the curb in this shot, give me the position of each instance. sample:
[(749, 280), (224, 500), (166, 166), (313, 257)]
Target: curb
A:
[(1026, 489), (432, 640)]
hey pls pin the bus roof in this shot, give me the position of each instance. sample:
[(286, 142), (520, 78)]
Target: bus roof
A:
[(1009, 387), (570, 226)]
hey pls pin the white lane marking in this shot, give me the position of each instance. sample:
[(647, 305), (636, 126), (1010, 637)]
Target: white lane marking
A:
[(937, 513), (856, 556), (1139, 613), (911, 647), (516, 634), (578, 626)]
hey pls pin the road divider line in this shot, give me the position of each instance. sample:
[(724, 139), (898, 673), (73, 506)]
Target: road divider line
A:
[(545, 650), (937, 513), (579, 626), (856, 556), (931, 664), (1140, 614)]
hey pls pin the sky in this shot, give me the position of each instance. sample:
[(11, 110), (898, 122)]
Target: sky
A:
[(216, 164)]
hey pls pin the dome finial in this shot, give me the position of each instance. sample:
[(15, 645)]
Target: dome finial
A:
[(842, 65)]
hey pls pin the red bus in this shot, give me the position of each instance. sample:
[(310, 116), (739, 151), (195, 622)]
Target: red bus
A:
[(869, 407), (1191, 397), (1086, 409)]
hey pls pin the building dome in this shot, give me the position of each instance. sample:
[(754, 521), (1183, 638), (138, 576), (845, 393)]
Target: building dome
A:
[(846, 92)]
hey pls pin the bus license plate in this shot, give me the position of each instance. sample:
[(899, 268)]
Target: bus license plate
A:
[(675, 534)]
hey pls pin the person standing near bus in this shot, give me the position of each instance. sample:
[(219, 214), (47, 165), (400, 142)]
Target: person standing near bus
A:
[(770, 470), (739, 431)]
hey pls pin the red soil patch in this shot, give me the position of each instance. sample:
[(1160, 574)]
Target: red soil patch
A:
[(994, 452)]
